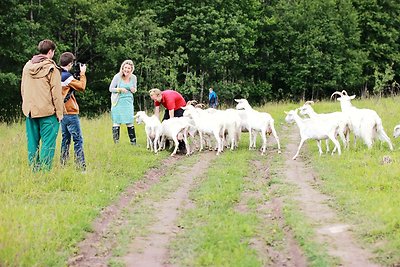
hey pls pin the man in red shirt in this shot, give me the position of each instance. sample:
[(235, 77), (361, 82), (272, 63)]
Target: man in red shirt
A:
[(173, 103), (171, 100)]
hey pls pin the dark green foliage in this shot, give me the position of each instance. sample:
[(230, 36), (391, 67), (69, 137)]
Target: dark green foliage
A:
[(256, 49)]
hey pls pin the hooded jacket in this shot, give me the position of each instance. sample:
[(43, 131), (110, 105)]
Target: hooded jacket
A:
[(70, 83), (41, 88)]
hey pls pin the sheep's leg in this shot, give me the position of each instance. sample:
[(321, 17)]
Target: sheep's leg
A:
[(176, 145), (347, 136), (319, 147), (162, 143), (237, 137), (327, 145), (343, 138), (264, 142), (233, 138), (156, 140), (185, 140), (275, 136), (223, 140), (298, 149), (250, 138), (384, 137), (254, 135), (219, 143), (150, 144), (337, 144), (201, 140)]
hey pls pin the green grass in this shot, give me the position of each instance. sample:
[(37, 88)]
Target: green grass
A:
[(44, 215), (217, 234), (300, 226), (140, 214), (365, 192)]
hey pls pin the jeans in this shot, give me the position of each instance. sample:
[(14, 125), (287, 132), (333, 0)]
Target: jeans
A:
[(70, 127), (43, 129)]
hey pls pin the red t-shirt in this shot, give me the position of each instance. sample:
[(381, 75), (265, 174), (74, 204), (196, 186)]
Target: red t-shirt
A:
[(171, 100)]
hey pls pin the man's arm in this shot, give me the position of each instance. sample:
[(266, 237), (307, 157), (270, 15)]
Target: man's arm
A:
[(157, 111), (56, 93), (171, 113), (80, 85)]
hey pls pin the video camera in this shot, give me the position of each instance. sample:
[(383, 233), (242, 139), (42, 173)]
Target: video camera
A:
[(76, 70)]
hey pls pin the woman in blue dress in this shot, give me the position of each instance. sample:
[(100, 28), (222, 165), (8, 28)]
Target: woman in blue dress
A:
[(122, 88)]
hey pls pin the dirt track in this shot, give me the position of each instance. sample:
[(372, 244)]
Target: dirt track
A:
[(152, 249)]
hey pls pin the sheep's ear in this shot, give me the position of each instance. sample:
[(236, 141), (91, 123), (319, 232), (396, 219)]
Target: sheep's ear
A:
[(237, 100), (353, 96)]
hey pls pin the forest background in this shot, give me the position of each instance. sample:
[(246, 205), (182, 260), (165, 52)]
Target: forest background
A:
[(262, 50)]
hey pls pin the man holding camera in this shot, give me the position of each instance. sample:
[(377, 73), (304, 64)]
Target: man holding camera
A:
[(70, 124)]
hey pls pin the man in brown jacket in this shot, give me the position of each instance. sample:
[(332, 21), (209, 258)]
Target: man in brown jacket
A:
[(42, 104)]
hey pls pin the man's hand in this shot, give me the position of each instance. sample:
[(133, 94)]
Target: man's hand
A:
[(82, 67)]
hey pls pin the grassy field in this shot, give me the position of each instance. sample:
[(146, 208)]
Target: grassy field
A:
[(366, 191), (44, 215)]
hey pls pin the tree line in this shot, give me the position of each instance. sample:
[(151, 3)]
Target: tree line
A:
[(262, 50)]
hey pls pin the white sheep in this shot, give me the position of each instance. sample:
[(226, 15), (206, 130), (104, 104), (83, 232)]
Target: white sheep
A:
[(175, 129), (317, 129), (396, 131), (341, 118), (365, 123), (256, 121), (152, 129), (206, 123), (231, 125)]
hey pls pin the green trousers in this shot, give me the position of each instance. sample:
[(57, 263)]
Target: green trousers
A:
[(45, 130)]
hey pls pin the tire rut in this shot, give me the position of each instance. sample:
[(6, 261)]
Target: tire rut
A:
[(95, 249), (330, 230), (270, 211), (152, 249)]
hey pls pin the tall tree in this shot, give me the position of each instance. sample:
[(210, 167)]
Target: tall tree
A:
[(312, 50), (380, 36)]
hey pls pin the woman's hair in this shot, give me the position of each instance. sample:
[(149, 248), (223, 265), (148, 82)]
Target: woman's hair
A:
[(129, 62), (155, 91)]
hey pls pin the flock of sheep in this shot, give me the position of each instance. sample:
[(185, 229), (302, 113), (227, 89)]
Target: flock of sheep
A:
[(199, 127)]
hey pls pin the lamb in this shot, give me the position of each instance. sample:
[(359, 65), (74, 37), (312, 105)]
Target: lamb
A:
[(365, 123), (341, 118), (318, 129), (175, 129), (206, 123), (231, 125), (152, 129), (396, 131), (254, 120)]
